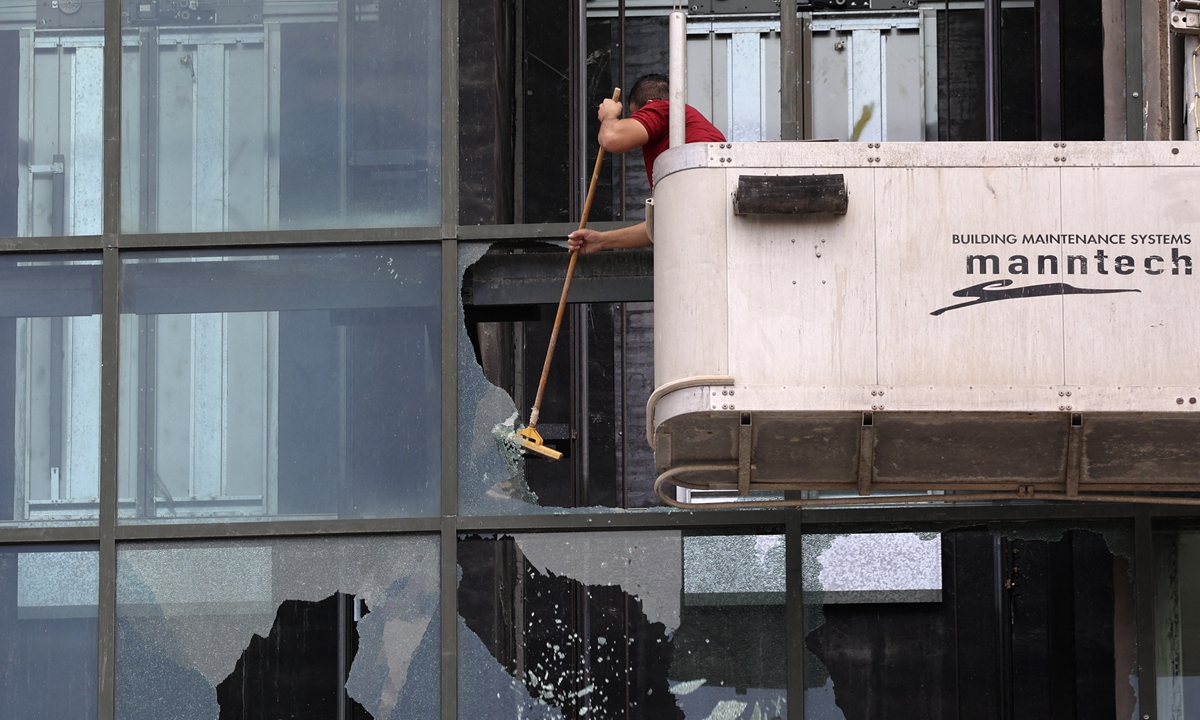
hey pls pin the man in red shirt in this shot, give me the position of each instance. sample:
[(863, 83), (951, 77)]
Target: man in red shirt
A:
[(648, 128)]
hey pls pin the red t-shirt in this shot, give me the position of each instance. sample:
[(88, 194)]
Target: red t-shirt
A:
[(655, 116)]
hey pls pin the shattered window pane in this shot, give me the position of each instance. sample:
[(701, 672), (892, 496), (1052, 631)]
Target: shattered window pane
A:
[(48, 631), (593, 409), (640, 624), (342, 627), (1177, 624), (299, 383), (954, 625)]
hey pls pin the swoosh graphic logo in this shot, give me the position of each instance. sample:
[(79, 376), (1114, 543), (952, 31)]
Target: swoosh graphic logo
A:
[(990, 292)]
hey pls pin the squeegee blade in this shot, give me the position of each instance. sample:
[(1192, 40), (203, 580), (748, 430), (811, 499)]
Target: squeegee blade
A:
[(540, 449)]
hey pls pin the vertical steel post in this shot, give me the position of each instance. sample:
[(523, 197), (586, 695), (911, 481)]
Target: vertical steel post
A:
[(1143, 574), (794, 624), (110, 324), (678, 78), (789, 72), (1135, 117), (991, 69), (1050, 69)]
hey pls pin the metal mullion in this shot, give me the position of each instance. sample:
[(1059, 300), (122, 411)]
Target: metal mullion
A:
[(111, 170), (449, 472), (900, 517), (449, 620), (275, 528), (175, 241), (715, 519), (52, 244), (794, 624), (109, 400), (1135, 128), (449, 486), (892, 518), (1143, 572), (449, 111)]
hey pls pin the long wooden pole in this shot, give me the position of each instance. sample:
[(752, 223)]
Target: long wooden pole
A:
[(562, 301)]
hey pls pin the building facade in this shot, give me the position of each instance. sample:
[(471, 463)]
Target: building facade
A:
[(276, 281)]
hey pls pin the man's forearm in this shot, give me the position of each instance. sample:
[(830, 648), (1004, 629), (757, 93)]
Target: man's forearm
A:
[(634, 236)]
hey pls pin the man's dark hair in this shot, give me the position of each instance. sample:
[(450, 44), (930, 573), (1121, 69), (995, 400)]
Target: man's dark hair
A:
[(652, 86)]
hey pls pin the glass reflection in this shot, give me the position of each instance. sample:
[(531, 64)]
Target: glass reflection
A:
[(48, 631), (270, 114), (49, 389), (51, 117), (299, 383)]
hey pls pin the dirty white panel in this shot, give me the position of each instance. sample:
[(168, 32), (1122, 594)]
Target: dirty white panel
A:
[(33, 410), (246, 137), (209, 150), (176, 96), (830, 84), (745, 104), (904, 83), (697, 336), (867, 85), (131, 139), (208, 395), (127, 419), (172, 394), (920, 266), (250, 345), (87, 146), (1130, 338), (803, 292), (81, 397)]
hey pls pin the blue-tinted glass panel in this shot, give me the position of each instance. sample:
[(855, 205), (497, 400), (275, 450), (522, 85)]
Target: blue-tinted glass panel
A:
[(48, 631), (280, 383), (51, 117), (49, 388), (266, 114), (306, 629)]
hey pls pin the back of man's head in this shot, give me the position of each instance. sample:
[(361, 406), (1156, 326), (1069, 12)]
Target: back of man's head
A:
[(653, 86)]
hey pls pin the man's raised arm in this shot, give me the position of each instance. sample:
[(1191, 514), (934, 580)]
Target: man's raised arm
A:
[(617, 134)]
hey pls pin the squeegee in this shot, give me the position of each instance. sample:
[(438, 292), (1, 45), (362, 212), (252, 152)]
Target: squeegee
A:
[(528, 437)]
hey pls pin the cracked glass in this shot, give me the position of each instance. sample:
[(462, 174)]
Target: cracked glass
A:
[(594, 407), (308, 629), (1177, 623), (1025, 621), (639, 624)]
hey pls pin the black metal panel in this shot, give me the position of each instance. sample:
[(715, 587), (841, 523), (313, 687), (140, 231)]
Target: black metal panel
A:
[(192, 12), (537, 278), (485, 111), (791, 195), (54, 14)]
